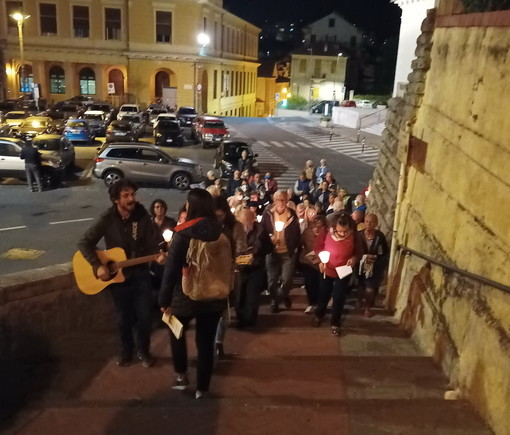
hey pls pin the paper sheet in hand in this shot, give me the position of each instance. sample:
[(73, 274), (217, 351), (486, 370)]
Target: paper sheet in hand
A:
[(343, 271), (174, 324)]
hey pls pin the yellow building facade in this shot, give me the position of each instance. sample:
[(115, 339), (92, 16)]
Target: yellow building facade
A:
[(130, 50)]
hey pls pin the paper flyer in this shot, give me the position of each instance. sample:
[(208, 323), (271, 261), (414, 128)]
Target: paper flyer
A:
[(174, 324), (343, 271)]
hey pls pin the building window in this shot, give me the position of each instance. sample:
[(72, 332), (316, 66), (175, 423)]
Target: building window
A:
[(57, 80), (26, 78), (112, 24), (215, 86), (331, 22), (81, 24), (164, 27), (205, 24), (333, 66), (317, 69), (87, 82), (48, 17), (302, 65), (11, 7)]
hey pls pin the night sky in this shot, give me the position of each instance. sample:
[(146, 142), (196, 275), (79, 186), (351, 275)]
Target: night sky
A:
[(378, 16)]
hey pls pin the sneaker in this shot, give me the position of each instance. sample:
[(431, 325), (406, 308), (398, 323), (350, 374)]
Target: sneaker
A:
[(219, 351), (274, 307), (316, 322), (309, 309), (335, 330), (200, 394), (181, 382), (147, 359), (124, 359), (288, 302)]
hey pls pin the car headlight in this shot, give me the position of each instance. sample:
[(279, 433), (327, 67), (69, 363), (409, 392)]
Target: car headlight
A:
[(208, 136), (158, 134), (226, 135)]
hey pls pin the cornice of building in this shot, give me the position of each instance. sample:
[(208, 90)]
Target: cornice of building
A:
[(219, 9)]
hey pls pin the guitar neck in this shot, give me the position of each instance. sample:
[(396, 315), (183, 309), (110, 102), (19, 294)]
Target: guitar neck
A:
[(135, 261)]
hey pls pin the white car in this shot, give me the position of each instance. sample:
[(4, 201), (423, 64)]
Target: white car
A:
[(166, 116), (128, 109), (366, 104)]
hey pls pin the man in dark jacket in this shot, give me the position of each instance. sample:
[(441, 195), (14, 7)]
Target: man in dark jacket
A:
[(32, 159), (286, 243), (127, 225)]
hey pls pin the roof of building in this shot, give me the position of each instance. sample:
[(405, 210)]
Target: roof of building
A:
[(267, 68)]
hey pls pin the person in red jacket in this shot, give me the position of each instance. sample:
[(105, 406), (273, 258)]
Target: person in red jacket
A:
[(344, 245)]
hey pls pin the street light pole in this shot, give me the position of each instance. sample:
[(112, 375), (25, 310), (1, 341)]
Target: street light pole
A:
[(20, 18)]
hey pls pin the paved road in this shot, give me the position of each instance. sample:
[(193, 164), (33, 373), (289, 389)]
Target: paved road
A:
[(51, 222)]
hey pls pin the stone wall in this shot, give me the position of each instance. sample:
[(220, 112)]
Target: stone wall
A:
[(455, 207), (38, 310)]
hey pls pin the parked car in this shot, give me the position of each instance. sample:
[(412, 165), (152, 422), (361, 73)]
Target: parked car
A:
[(77, 130), (34, 125), (58, 120), (208, 130), (137, 123), (228, 154), (186, 115), (11, 166), (120, 131), (145, 163), (16, 117), (96, 120), (57, 146), (152, 114), (165, 116), (110, 112), (320, 107), (81, 100), (128, 109), (364, 104), (168, 132), (68, 110), (348, 103)]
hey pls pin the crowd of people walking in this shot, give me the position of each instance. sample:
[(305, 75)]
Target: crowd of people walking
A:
[(315, 229)]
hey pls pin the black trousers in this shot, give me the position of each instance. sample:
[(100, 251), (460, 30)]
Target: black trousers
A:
[(247, 305), (205, 332), (133, 302), (337, 289), (312, 282)]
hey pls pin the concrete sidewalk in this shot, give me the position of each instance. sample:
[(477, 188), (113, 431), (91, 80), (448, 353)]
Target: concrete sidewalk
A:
[(284, 377)]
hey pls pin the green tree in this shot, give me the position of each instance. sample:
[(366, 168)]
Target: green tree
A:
[(296, 103)]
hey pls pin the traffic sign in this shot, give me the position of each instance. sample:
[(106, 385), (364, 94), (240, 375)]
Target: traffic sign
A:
[(111, 88)]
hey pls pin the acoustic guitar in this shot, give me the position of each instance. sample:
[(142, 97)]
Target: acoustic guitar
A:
[(114, 259)]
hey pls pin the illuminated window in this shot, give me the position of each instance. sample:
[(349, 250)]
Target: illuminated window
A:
[(87, 82), (57, 80)]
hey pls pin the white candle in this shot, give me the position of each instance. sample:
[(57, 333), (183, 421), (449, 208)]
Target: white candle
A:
[(167, 235), (259, 218), (324, 258), (301, 220), (278, 226)]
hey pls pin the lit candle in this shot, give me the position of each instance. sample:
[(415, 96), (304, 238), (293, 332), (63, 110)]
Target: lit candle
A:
[(167, 235), (301, 220), (324, 257), (233, 209), (278, 226), (259, 218)]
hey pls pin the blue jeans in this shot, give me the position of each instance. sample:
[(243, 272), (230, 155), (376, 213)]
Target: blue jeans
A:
[(35, 170), (280, 266), (336, 288), (133, 303)]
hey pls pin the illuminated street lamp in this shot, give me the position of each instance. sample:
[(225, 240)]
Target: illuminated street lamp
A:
[(20, 19)]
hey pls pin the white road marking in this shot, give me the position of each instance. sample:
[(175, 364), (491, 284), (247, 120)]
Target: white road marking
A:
[(71, 221), (304, 145), (278, 144), (290, 144), (13, 228)]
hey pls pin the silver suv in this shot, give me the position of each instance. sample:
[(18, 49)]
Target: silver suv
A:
[(145, 163)]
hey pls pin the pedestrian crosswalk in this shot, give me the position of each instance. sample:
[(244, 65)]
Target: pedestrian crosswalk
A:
[(316, 137), (267, 161)]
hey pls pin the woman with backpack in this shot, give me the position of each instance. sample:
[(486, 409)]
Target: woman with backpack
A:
[(189, 290)]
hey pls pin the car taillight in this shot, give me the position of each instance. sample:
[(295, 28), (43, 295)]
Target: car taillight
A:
[(99, 159)]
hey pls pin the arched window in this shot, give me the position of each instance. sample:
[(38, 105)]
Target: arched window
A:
[(57, 80), (26, 78), (117, 78), (87, 82), (162, 81)]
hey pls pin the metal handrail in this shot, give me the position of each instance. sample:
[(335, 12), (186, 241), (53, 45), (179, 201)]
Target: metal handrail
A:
[(373, 113), (457, 270)]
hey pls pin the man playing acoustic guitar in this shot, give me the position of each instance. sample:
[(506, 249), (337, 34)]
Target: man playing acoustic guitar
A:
[(127, 225)]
